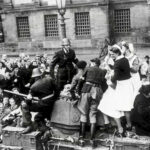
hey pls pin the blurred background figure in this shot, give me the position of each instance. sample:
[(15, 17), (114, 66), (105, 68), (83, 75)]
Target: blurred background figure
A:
[(134, 67), (144, 69)]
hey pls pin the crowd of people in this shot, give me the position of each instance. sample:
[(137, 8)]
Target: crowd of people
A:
[(118, 86)]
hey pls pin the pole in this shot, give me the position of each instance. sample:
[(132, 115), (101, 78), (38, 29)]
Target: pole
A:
[(20, 94), (63, 26)]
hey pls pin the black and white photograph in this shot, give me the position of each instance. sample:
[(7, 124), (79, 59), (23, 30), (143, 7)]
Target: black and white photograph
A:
[(74, 74)]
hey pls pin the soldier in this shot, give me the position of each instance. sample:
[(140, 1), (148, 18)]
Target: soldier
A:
[(45, 89), (64, 59), (90, 98)]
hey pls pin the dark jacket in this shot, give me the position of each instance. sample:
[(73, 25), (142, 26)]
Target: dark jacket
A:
[(140, 115), (121, 70), (44, 87), (66, 69), (63, 59), (23, 77), (93, 75)]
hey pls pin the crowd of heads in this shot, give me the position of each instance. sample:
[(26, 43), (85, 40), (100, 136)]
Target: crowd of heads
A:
[(16, 75)]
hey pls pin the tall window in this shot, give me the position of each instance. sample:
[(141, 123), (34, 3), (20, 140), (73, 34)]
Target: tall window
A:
[(122, 20), (23, 27), (82, 24), (51, 26)]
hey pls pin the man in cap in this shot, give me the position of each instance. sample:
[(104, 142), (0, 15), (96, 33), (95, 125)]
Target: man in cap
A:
[(64, 59), (44, 88), (90, 97)]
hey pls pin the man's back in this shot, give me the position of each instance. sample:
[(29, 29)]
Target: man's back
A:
[(43, 87), (94, 75)]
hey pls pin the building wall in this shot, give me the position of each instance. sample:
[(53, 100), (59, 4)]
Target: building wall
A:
[(139, 18), (98, 22), (101, 22)]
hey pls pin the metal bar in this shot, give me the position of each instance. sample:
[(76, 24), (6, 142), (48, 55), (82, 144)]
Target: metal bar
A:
[(20, 94)]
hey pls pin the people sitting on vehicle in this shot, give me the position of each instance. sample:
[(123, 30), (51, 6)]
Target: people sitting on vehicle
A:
[(45, 90)]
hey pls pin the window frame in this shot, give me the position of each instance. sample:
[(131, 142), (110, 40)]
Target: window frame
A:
[(77, 24), (51, 37), (21, 38), (126, 25)]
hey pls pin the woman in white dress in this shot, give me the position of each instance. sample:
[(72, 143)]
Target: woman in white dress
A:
[(118, 101), (107, 105)]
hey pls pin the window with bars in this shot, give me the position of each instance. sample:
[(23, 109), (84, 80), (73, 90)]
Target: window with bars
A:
[(23, 27), (82, 24), (51, 26), (122, 20)]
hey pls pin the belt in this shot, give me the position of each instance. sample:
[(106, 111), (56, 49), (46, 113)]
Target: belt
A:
[(93, 84)]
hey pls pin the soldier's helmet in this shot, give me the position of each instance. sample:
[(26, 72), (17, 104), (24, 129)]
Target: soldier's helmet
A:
[(65, 41), (36, 73)]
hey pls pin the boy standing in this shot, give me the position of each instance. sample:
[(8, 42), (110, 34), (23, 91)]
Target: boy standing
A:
[(90, 97)]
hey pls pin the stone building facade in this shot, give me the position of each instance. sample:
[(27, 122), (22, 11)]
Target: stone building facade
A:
[(35, 25), (130, 20), (32, 25)]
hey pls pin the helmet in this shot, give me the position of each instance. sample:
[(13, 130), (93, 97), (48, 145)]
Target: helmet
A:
[(65, 41), (36, 72)]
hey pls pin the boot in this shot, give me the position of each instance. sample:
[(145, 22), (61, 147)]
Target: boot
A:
[(92, 141), (82, 134)]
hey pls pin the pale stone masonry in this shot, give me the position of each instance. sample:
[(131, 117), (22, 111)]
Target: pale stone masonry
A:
[(101, 21), (139, 21)]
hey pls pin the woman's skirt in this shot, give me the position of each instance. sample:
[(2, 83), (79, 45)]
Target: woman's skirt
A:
[(124, 95), (107, 104)]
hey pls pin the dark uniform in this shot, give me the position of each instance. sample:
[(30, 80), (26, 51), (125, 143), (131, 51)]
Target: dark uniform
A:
[(23, 77), (41, 88), (91, 94), (140, 115), (66, 69)]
